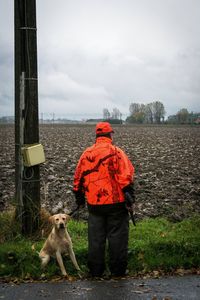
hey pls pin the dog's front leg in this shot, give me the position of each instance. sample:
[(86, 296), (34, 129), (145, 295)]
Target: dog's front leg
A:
[(60, 262), (73, 259)]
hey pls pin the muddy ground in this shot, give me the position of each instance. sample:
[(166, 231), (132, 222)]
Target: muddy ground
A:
[(166, 159)]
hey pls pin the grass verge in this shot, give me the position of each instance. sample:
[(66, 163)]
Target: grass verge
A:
[(154, 245)]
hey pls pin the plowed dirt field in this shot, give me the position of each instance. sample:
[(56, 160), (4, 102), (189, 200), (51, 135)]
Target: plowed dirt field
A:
[(166, 159)]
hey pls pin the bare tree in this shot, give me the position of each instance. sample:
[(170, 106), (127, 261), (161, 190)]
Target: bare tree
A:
[(137, 111), (116, 113), (158, 111), (149, 113), (106, 114), (183, 116), (134, 108)]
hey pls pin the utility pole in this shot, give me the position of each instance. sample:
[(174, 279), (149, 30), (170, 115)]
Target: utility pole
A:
[(27, 179)]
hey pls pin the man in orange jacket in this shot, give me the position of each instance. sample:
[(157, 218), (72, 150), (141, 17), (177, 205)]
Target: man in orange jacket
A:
[(104, 175)]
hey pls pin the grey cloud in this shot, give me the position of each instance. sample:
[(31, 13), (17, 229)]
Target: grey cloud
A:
[(94, 54)]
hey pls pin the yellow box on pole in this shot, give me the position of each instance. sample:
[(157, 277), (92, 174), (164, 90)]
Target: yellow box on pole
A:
[(33, 155)]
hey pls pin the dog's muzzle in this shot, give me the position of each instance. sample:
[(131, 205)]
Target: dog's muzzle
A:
[(62, 226)]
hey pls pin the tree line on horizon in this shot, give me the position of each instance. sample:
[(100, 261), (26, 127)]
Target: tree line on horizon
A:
[(183, 116), (151, 113), (139, 113)]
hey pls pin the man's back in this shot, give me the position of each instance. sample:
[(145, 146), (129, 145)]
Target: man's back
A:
[(99, 171)]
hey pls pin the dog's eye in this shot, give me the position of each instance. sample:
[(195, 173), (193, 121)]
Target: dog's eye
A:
[(57, 219), (63, 219)]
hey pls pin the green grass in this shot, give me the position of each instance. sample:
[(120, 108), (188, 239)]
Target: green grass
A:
[(160, 244), (154, 244)]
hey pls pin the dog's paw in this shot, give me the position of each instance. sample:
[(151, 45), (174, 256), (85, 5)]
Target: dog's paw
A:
[(70, 278), (67, 277), (80, 274)]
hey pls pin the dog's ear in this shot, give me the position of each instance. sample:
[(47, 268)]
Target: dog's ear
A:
[(51, 219), (67, 218)]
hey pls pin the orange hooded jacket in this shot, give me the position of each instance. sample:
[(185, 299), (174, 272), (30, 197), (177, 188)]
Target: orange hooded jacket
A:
[(102, 172)]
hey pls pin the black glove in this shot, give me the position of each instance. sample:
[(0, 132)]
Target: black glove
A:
[(129, 194), (80, 198)]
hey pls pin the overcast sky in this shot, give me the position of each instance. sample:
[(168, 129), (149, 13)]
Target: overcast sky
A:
[(95, 54)]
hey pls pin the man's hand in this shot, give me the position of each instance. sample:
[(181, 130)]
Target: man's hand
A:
[(130, 202), (80, 198), (130, 205)]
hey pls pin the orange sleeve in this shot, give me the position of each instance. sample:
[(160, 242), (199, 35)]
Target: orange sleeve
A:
[(125, 171), (78, 174)]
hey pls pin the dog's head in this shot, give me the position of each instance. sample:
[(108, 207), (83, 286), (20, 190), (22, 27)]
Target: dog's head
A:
[(59, 220)]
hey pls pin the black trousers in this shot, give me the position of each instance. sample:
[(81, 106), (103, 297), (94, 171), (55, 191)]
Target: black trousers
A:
[(112, 226)]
